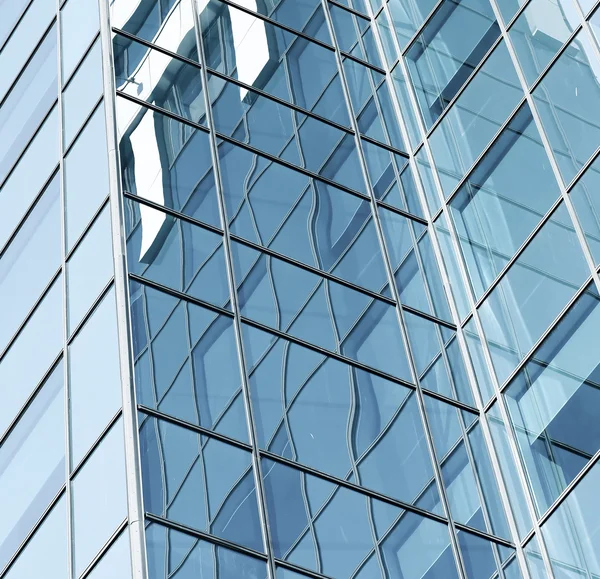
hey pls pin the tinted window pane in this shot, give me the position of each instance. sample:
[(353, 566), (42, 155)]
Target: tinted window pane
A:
[(32, 468), (99, 495), (200, 482)]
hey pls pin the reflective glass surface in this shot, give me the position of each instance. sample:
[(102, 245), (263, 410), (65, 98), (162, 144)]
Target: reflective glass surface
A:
[(79, 23), (116, 563)]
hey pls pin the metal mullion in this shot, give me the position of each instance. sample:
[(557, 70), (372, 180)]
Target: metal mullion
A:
[(351, 10), (399, 313), (256, 465), (133, 475), (412, 40), (302, 571), (459, 334)]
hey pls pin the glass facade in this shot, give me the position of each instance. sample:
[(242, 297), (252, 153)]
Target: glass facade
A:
[(299, 289)]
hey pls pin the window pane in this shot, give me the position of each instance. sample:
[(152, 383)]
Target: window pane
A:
[(567, 101), (173, 553), (28, 102), (82, 93), (29, 176), (32, 467), (408, 16), (532, 292), (30, 261), (186, 362), (503, 199), (31, 354), (339, 420), (176, 253), (11, 11), (79, 23), (478, 555), (86, 176), (46, 553), (169, 163), (89, 269), (116, 563), (94, 376), (200, 482), (99, 498), (23, 40), (552, 401)]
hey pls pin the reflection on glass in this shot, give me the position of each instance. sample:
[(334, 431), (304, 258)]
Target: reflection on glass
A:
[(408, 16), (447, 50), (478, 555), (338, 419), (186, 362), (533, 292), (552, 401), (199, 482), (321, 526), (32, 465), (503, 199), (172, 553)]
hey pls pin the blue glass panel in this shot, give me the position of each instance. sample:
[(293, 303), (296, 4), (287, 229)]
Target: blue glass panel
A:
[(410, 119), (79, 24), (86, 176), (384, 27), (32, 465), (552, 402), (28, 101), (567, 101), (176, 254), (99, 495), (508, 8), (302, 218), (273, 59), (480, 366), (82, 93), (571, 533), (171, 553), (167, 23), (29, 175), (587, 206), (30, 261), (94, 377), (89, 269), (533, 292), (23, 39), (476, 116), (447, 50), (503, 199), (116, 563), (408, 16), (321, 526), (337, 419), (539, 32), (11, 12), (478, 555), (319, 311), (30, 355), (46, 553), (164, 81), (274, 128), (186, 362), (168, 163), (200, 482)]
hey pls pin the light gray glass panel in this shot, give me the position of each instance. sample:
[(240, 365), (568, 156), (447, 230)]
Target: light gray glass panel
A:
[(99, 495), (28, 101), (86, 176), (29, 262), (23, 40), (79, 23), (32, 468), (94, 377), (31, 354), (46, 553), (116, 562), (89, 269), (82, 92), (29, 176)]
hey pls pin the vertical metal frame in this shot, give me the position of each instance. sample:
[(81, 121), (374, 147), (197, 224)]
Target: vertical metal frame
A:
[(135, 507)]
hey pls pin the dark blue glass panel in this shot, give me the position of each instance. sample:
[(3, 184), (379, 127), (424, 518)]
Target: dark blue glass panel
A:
[(199, 482), (552, 402), (176, 253), (478, 555), (186, 362), (320, 311), (503, 199), (175, 554), (338, 419)]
